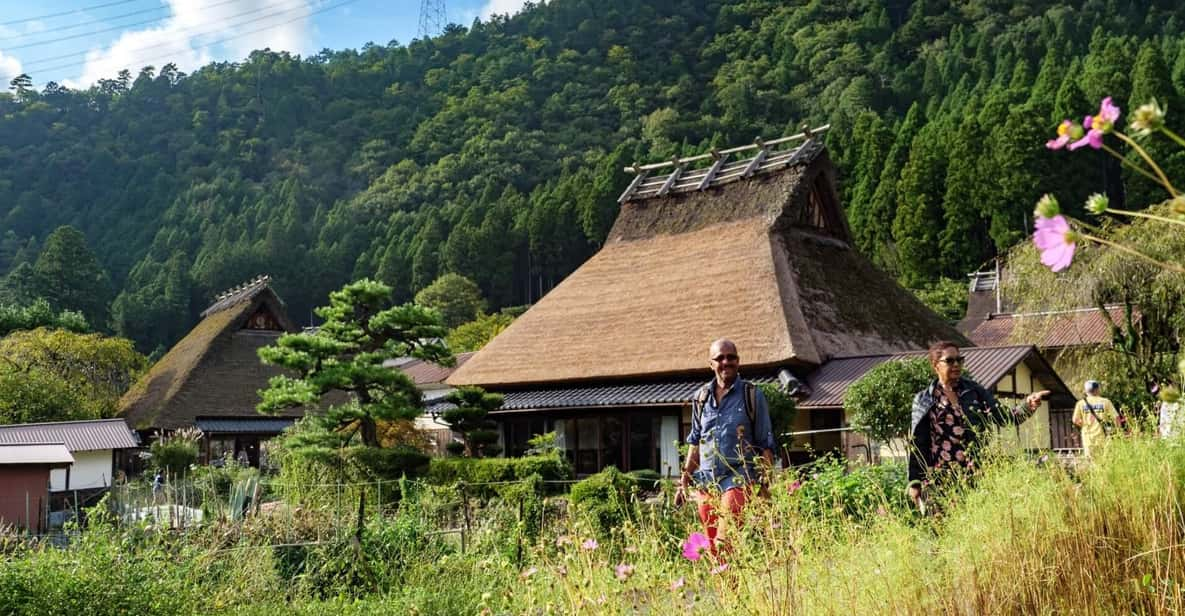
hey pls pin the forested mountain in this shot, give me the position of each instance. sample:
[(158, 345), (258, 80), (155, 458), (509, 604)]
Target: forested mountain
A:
[(495, 151)]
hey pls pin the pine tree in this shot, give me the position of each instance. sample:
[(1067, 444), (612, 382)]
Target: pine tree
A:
[(882, 209), (346, 354), (71, 278), (918, 219)]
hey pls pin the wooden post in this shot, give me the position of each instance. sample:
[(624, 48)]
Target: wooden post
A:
[(465, 513), (518, 552)]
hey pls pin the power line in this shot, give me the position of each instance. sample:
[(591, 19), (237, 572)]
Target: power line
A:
[(80, 24), (64, 13), (145, 61), (187, 32), (125, 26)]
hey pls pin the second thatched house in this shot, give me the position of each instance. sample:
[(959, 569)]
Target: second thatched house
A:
[(210, 379), (756, 250)]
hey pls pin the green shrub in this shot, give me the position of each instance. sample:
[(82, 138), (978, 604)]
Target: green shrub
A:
[(369, 463), (830, 488), (443, 471), (647, 478), (604, 498), (881, 400), (175, 453)]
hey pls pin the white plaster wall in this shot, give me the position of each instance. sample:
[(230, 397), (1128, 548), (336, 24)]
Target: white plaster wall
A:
[(91, 469), (1034, 432), (669, 446)]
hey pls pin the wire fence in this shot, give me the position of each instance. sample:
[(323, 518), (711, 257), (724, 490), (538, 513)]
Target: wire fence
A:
[(294, 514)]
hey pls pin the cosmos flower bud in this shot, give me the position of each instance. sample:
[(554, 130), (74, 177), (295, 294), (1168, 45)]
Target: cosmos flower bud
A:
[(1147, 119), (1047, 207), (1097, 204)]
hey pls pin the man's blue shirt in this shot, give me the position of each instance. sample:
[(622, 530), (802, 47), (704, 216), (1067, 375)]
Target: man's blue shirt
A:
[(728, 444)]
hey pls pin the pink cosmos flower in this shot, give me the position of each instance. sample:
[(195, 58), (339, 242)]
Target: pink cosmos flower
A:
[(1098, 125), (720, 569), (797, 483), (695, 545), (1054, 238), (677, 584), (589, 544), (623, 571), (1063, 136)]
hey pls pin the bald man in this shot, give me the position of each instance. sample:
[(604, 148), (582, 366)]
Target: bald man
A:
[(731, 440)]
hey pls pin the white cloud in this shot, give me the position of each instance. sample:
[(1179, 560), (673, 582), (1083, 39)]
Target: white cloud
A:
[(191, 36), (501, 7), (9, 67)]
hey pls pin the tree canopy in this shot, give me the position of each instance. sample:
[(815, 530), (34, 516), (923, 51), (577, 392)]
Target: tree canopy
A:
[(345, 357), (495, 151)]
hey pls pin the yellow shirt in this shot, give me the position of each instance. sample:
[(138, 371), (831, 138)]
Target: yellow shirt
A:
[(1092, 431)]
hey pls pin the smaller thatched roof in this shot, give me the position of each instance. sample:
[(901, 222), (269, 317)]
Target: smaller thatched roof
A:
[(214, 370)]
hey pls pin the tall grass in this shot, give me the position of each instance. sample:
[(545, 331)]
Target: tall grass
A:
[(1106, 538)]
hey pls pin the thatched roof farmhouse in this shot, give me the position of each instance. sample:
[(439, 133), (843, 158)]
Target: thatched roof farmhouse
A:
[(755, 249), (210, 379)]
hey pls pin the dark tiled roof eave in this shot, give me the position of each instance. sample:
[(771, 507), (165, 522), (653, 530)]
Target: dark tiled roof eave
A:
[(243, 425), (657, 393)]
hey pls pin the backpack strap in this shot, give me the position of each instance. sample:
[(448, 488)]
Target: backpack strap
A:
[(751, 404), (700, 400)]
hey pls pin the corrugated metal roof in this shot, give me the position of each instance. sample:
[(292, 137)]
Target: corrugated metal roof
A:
[(35, 453), (90, 435), (243, 425), (829, 382), (426, 373), (1048, 329)]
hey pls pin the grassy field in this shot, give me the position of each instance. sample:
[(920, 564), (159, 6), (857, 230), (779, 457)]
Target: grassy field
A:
[(1028, 538)]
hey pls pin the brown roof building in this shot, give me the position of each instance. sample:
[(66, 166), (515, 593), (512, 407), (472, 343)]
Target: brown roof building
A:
[(756, 250), (211, 378)]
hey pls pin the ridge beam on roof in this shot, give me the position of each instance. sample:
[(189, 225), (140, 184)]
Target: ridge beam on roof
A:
[(713, 170), (674, 177), (805, 135), (638, 179), (755, 162)]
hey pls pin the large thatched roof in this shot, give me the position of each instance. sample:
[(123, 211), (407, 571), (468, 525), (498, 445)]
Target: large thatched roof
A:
[(214, 370), (764, 260)]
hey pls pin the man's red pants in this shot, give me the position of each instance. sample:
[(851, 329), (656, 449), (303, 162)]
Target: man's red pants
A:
[(732, 501)]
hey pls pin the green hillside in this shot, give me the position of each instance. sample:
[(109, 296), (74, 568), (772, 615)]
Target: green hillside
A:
[(495, 151)]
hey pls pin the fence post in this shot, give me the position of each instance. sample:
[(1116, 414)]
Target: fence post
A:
[(465, 513), (518, 554)]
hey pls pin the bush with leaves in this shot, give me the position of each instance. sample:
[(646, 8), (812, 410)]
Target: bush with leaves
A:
[(470, 417), (879, 403), (782, 409), (605, 498), (173, 454), (446, 471), (830, 487)]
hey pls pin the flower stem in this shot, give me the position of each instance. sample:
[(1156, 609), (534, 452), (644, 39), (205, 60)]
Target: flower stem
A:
[(1143, 215), (1174, 136), (1133, 252), (1164, 180), (1123, 160)]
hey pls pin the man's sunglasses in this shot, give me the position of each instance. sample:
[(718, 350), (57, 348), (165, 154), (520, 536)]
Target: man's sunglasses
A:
[(725, 357), (958, 359)]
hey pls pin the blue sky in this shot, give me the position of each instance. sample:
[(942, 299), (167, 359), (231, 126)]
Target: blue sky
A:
[(77, 42)]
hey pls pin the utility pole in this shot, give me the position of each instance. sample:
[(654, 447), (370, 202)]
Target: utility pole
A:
[(433, 18)]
